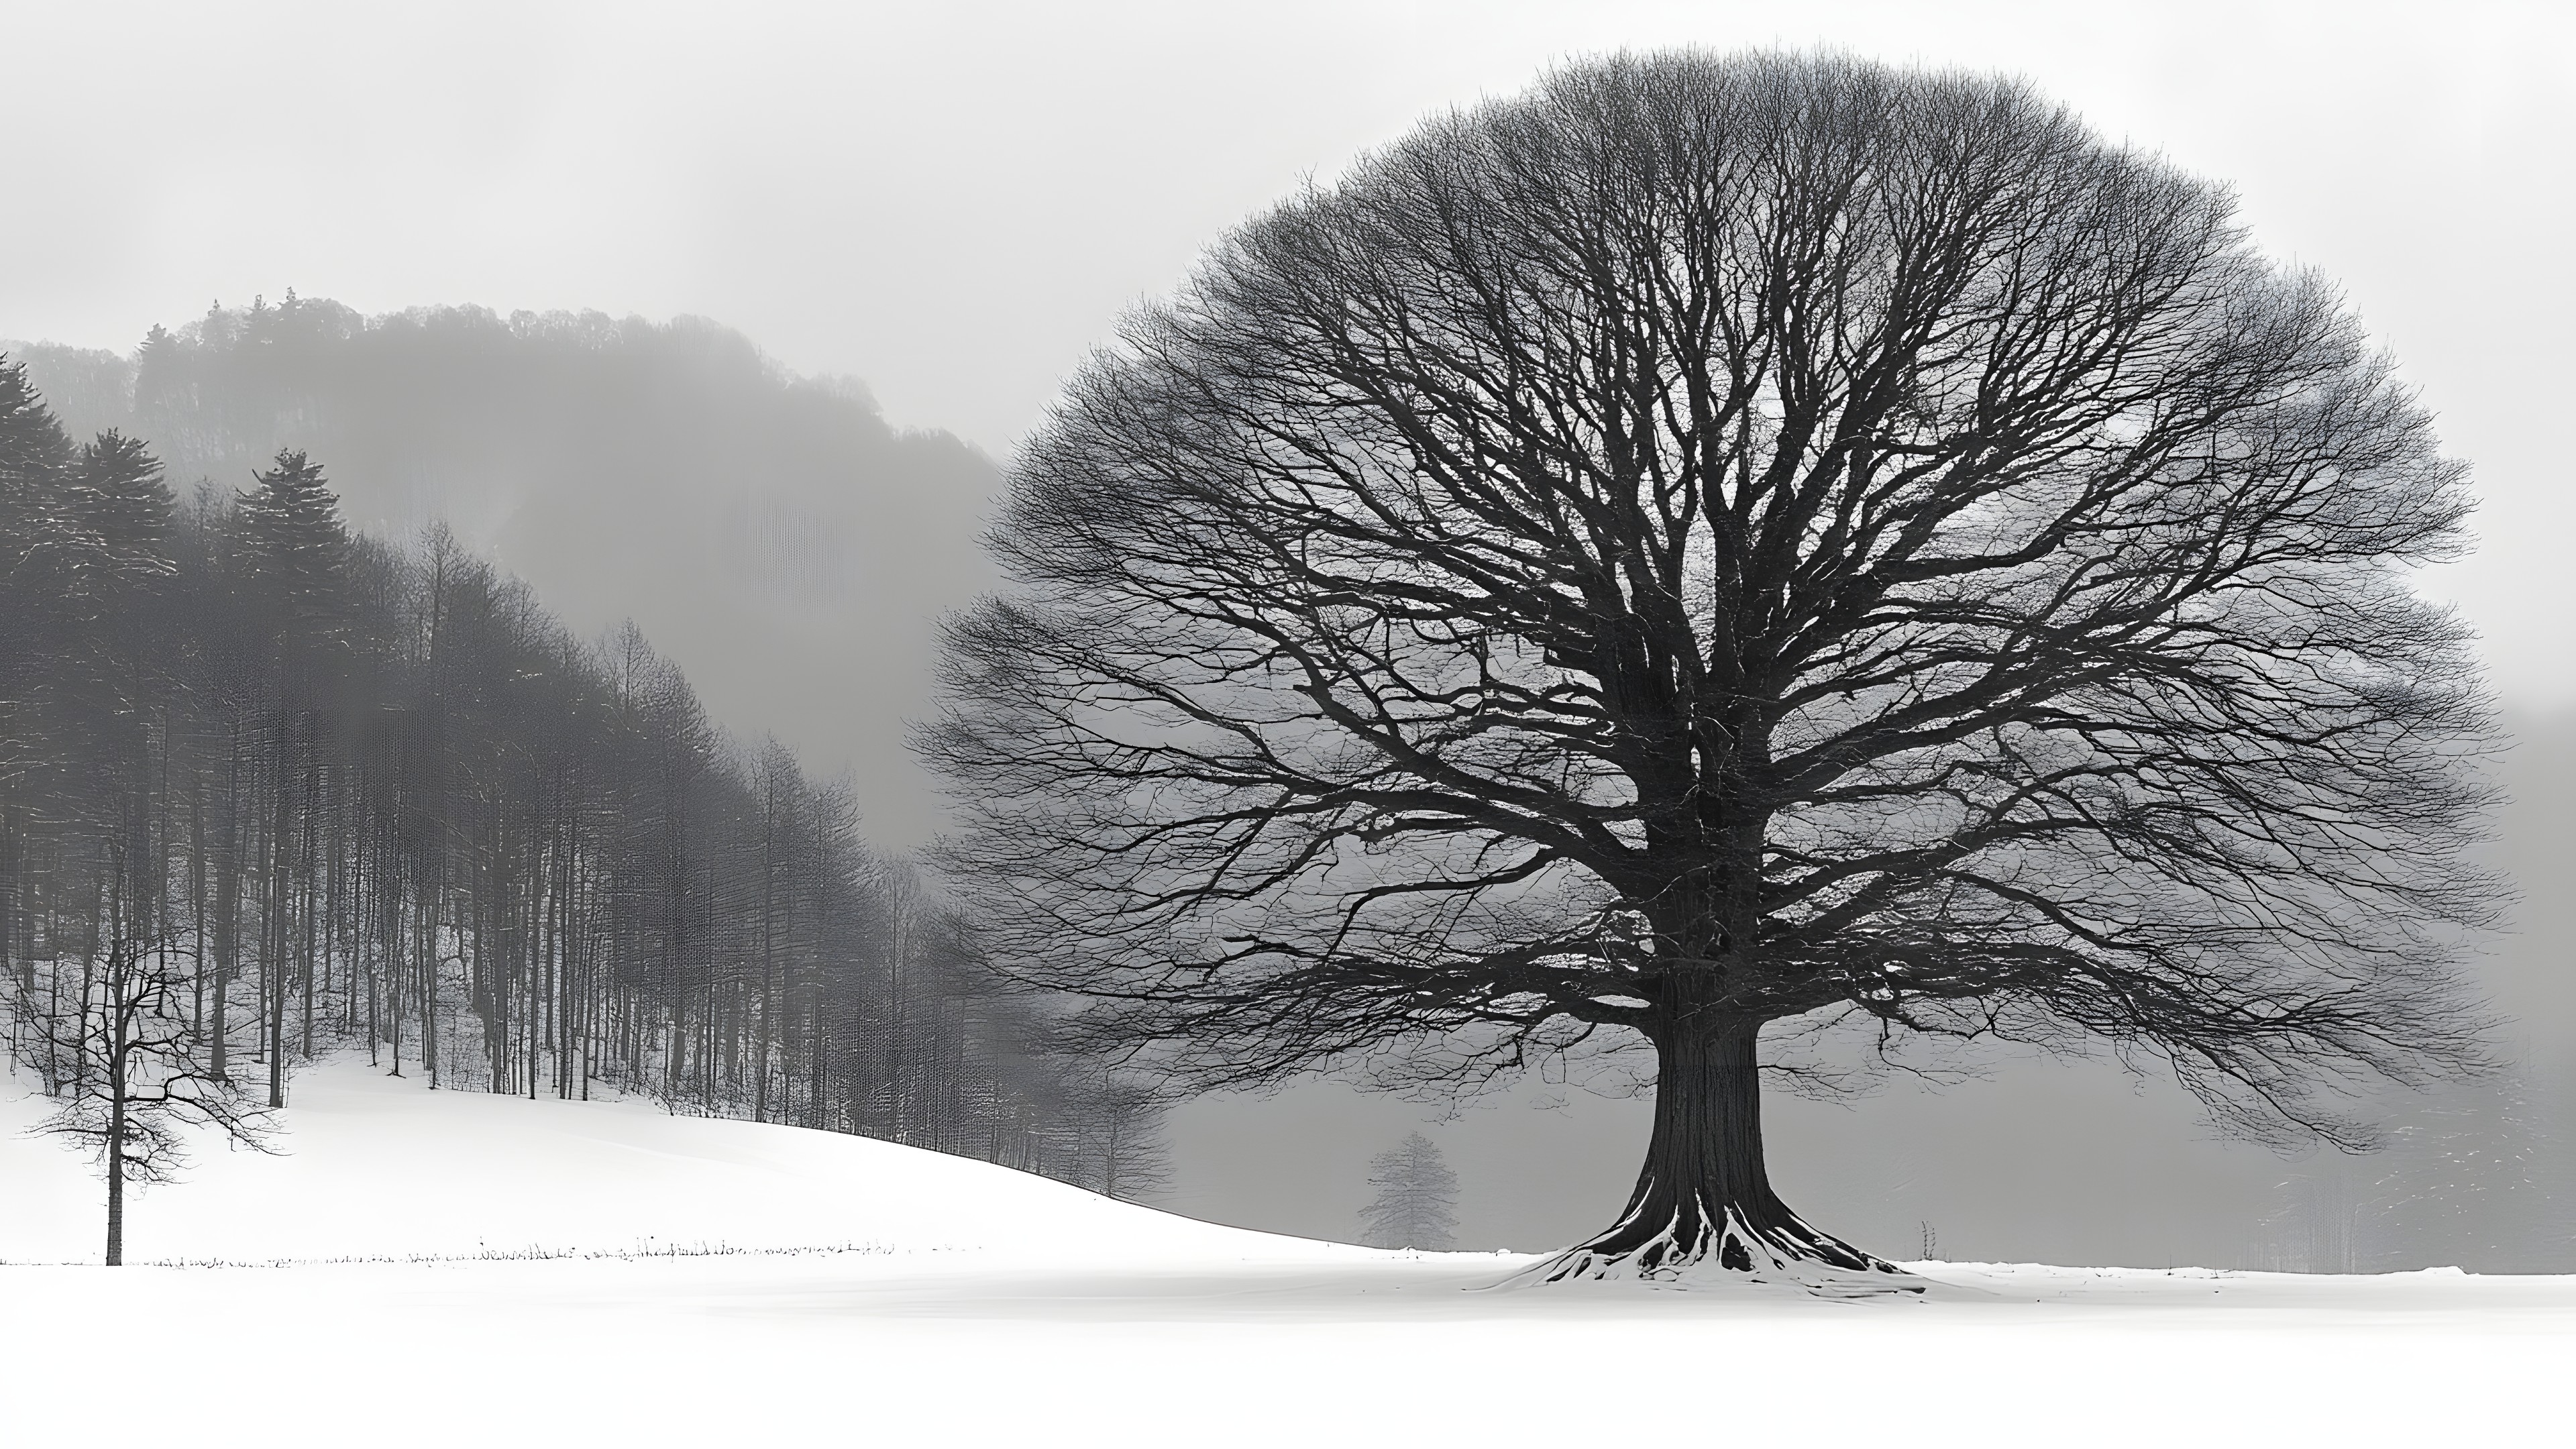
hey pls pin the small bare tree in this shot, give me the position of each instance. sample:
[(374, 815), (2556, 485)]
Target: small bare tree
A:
[(1117, 1120), (1716, 544), (143, 1074)]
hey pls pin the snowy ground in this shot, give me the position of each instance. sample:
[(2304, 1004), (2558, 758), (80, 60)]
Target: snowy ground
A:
[(874, 1294)]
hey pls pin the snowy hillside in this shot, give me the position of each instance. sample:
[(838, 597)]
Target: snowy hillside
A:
[(972, 1305), (371, 1166)]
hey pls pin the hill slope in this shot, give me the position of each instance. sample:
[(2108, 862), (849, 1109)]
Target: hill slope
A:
[(369, 1166)]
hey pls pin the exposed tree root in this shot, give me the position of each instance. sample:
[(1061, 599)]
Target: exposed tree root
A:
[(1690, 1250)]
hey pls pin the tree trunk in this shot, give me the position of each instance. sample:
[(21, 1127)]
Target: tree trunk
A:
[(425, 948), (116, 1173), (276, 933), (1703, 1200), (309, 871), (197, 897)]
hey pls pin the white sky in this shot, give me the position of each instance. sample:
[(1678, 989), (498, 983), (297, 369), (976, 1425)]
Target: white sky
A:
[(952, 201)]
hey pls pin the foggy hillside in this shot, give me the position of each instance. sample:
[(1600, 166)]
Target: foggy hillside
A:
[(772, 533)]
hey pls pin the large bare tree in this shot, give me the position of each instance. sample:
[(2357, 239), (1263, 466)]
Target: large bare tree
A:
[(1717, 542)]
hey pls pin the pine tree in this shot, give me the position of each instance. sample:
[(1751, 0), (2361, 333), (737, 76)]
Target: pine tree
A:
[(41, 550), (33, 450), (1417, 1198), (117, 567), (117, 491), (295, 548), (33, 453)]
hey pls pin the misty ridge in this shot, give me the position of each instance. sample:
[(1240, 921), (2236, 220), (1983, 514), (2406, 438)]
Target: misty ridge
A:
[(771, 531)]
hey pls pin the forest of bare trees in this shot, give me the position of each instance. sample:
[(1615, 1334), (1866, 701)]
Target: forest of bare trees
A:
[(333, 793)]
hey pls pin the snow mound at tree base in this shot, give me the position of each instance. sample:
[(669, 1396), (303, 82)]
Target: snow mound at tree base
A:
[(1730, 1255), (1579, 1269)]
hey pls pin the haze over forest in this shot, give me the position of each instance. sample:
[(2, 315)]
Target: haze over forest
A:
[(791, 547), (773, 532)]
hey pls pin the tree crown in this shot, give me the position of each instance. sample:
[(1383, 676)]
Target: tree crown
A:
[(1729, 540)]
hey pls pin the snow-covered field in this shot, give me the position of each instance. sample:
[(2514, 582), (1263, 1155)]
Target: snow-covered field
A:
[(719, 1283)]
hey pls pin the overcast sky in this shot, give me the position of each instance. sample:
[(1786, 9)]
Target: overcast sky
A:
[(952, 201)]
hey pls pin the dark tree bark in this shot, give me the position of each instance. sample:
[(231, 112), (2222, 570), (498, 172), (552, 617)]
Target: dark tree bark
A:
[(1704, 1193), (227, 913), (115, 1167)]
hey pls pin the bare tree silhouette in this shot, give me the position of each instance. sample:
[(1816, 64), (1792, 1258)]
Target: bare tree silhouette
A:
[(1722, 542), (140, 1072)]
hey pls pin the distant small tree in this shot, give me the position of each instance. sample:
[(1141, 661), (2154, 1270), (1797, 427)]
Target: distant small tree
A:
[(1417, 1198), (1118, 1135), (142, 1074)]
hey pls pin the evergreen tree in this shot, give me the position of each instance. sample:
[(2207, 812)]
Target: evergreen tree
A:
[(33, 450), (33, 453), (40, 543), (117, 517), (1417, 1198), (295, 548), (117, 490)]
